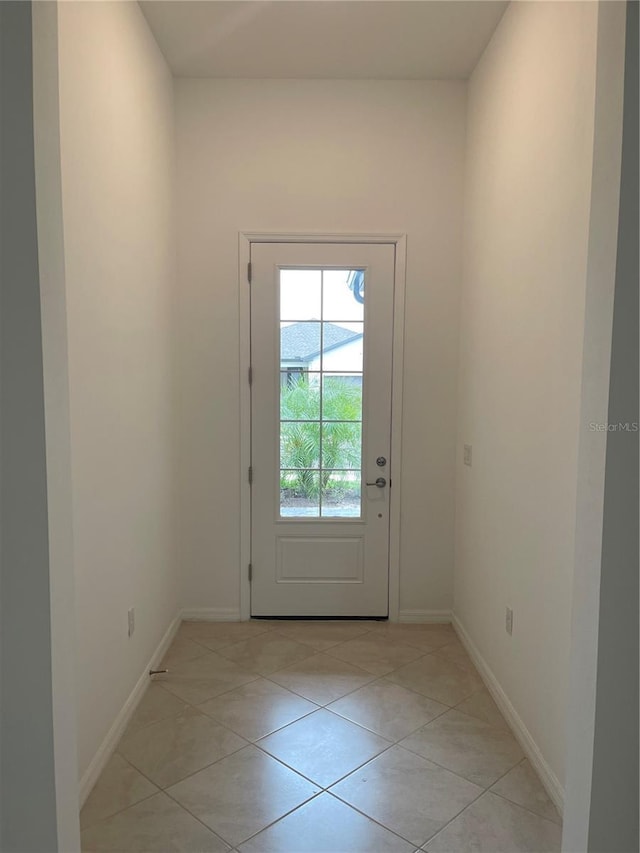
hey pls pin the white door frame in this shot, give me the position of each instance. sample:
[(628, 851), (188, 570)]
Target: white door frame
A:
[(399, 242)]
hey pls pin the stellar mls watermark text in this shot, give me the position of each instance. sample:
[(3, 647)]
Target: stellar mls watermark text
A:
[(621, 426)]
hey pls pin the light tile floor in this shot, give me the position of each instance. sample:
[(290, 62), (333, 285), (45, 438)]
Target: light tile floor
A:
[(318, 737)]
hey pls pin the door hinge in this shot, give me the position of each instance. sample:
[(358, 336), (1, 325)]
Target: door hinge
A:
[(250, 474), (249, 271), (250, 375), (250, 572)]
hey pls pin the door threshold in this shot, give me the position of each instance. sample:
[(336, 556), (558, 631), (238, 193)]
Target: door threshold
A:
[(323, 618)]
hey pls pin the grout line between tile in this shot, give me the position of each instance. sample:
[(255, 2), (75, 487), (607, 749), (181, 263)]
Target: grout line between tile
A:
[(372, 819), (195, 816), (131, 805), (519, 805), (159, 790), (374, 679), (524, 808), (313, 654), (200, 769), (373, 731), (315, 796), (384, 826), (282, 817), (442, 828), (323, 789), (283, 726), (153, 722), (485, 791), (449, 770), (324, 705), (488, 791), (335, 782)]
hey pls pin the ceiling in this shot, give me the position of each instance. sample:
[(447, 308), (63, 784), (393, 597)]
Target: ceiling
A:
[(335, 39)]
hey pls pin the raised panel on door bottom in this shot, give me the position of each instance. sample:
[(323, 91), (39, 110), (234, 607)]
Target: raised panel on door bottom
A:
[(319, 560)]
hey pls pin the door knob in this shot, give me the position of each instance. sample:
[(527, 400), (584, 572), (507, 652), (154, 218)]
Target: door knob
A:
[(380, 483)]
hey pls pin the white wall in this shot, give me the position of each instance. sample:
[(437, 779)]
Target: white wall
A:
[(528, 193), (117, 147), (27, 748), (46, 111), (601, 810), (328, 156)]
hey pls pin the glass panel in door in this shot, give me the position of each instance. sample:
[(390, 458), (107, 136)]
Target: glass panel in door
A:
[(321, 381)]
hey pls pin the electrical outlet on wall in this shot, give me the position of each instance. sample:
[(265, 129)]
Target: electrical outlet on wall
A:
[(467, 455), (509, 621), (131, 617)]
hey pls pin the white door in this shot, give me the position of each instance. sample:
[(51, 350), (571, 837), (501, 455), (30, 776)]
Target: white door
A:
[(321, 363)]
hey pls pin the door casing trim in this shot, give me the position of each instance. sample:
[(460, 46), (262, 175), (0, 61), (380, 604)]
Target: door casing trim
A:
[(399, 242)]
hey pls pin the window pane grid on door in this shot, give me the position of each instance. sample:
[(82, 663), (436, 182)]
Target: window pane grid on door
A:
[(318, 421), (342, 397), (341, 445), (327, 471), (341, 493), (321, 363)]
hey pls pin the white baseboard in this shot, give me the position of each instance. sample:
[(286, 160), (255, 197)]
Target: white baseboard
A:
[(521, 732), (211, 614), (109, 744), (436, 616)]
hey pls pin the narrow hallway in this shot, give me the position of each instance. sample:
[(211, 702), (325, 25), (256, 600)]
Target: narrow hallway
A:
[(318, 736), (326, 309)]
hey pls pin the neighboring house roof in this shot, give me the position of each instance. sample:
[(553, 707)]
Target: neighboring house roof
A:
[(299, 341)]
